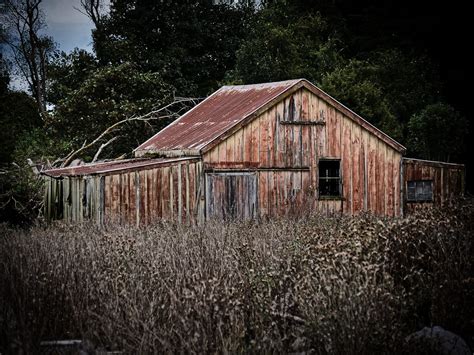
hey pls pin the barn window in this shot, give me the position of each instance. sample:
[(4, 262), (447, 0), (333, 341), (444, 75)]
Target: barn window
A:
[(420, 190), (329, 178)]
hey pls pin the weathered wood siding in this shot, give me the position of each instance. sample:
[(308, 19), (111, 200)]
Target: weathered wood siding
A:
[(231, 195), (448, 181), (140, 197), (284, 145), (170, 192), (74, 198)]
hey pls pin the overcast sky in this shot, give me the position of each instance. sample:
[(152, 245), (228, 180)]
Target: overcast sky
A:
[(68, 27)]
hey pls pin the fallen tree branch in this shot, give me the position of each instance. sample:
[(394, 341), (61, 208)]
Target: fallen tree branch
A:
[(102, 146), (157, 114)]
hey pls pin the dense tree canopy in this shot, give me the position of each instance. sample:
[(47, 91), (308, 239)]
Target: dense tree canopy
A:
[(285, 43), (191, 45), (381, 88), (438, 132)]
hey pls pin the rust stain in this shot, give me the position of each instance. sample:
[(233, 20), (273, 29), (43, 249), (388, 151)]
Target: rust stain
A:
[(214, 116), (112, 166)]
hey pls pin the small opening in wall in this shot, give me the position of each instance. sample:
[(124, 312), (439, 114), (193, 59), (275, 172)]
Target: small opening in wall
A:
[(329, 178), (420, 190)]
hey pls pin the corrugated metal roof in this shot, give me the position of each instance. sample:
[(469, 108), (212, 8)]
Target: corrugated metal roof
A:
[(214, 116), (432, 162), (111, 166)]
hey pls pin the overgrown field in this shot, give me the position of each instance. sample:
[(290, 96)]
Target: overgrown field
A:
[(334, 285)]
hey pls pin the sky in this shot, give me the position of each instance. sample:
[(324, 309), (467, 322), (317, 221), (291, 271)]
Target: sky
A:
[(68, 27)]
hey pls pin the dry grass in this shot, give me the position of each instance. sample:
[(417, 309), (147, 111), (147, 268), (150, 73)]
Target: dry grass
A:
[(334, 285)]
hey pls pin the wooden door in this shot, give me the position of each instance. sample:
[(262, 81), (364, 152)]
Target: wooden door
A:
[(231, 195)]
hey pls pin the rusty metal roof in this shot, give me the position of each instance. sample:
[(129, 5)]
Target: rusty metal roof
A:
[(215, 118), (111, 166)]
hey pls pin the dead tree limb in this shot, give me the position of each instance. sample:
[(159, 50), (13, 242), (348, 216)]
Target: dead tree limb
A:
[(93, 9), (102, 146), (156, 114)]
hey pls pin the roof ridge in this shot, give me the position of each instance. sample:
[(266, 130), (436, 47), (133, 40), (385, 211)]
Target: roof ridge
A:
[(262, 85)]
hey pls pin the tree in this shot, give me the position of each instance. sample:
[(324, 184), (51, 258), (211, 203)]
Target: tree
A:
[(288, 40), (94, 9), (18, 113), (192, 45), (67, 72), (354, 86), (386, 88), (438, 132), (109, 95), (31, 51), (4, 76)]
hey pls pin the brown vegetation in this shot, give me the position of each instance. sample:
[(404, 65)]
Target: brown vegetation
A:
[(335, 285)]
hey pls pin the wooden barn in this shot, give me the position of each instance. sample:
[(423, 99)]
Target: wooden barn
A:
[(251, 151)]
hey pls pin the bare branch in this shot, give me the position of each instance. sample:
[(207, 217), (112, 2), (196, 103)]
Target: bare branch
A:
[(96, 156), (157, 114), (30, 49), (93, 9)]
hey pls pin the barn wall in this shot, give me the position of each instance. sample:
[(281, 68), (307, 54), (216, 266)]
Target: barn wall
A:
[(448, 181), (140, 197), (294, 134), (74, 198), (170, 192)]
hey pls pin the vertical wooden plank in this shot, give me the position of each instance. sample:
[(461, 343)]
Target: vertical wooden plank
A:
[(347, 166), (125, 198), (152, 191), (201, 190), (212, 157), (158, 193), (356, 171), (338, 134), (108, 183), (248, 143), (138, 199), (383, 164), (331, 131), (188, 192), (323, 135), (277, 134), (115, 212), (364, 168), (239, 146), (390, 186), (372, 182), (255, 141), (184, 200), (230, 148), (172, 194), (297, 100), (144, 190), (396, 183), (270, 117), (262, 191), (264, 143), (305, 105)]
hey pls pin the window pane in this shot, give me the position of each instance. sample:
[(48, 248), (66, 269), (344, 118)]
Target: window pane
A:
[(411, 188), (427, 190), (421, 190), (329, 179)]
